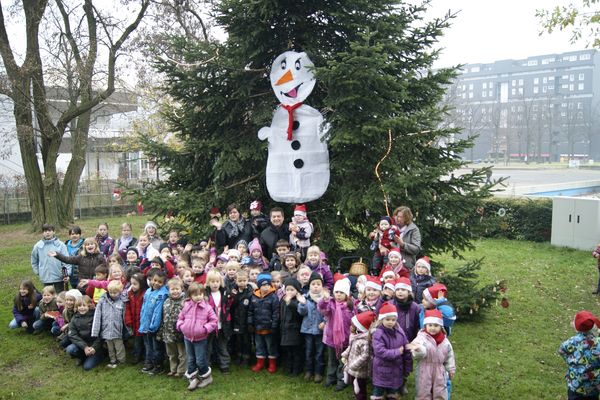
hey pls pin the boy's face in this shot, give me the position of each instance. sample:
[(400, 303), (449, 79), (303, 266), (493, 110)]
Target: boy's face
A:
[(101, 276), (75, 236), (265, 288), (166, 252), (155, 265), (387, 278), (299, 218), (253, 274), (242, 248), (389, 322), (83, 308), (276, 281), (384, 225), (157, 282), (291, 291), (175, 291), (220, 264), (433, 329), (47, 235), (281, 250), (388, 292), (316, 286), (427, 304), (421, 270), (196, 252), (313, 257), (256, 253), (371, 293), (231, 272), (198, 268), (394, 259), (114, 294), (241, 282)]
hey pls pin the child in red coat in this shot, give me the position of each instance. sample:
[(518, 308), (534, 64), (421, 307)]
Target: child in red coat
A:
[(133, 308)]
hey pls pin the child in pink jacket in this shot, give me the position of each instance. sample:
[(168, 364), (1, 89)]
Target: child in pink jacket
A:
[(196, 321), (435, 358)]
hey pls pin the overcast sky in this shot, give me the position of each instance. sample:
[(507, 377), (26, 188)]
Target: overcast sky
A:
[(490, 30)]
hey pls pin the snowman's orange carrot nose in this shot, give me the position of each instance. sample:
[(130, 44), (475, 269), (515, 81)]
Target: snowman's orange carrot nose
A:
[(285, 78)]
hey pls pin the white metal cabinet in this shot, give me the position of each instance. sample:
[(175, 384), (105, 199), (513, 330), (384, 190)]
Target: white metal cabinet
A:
[(575, 222)]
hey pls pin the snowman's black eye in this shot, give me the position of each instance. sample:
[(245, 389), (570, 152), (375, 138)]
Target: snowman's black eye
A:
[(283, 64), (298, 65)]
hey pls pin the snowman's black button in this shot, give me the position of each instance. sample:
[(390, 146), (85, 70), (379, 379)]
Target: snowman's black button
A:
[(295, 145), (298, 163), (296, 125)]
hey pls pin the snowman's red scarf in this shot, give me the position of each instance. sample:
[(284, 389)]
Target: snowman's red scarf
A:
[(290, 110)]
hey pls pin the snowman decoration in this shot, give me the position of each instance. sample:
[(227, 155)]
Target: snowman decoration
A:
[(298, 161)]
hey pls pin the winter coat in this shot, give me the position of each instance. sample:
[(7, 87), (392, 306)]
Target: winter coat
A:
[(46, 307), (168, 332), (258, 224), (448, 314), (147, 255), (312, 318), (412, 245), (109, 318), (408, 318), (263, 313), (123, 253), (290, 323), (26, 314), (106, 245), (327, 308), (323, 270), (275, 264), (302, 238), (419, 283), (49, 269), (87, 264), (151, 314), (582, 355), (133, 309), (433, 361), (72, 250), (80, 331), (389, 366), (269, 237), (224, 314), (358, 355), (241, 303), (197, 320), (363, 305), (225, 236), (67, 315)]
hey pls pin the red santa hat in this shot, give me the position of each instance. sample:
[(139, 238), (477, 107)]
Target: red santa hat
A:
[(363, 321), (585, 320), (395, 251), (387, 310), (433, 317), (433, 292), (373, 282), (300, 209), (424, 262), (385, 272), (390, 284), (214, 212), (403, 283), (256, 205), (342, 285)]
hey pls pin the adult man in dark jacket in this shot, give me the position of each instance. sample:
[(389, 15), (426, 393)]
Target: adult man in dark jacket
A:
[(275, 231)]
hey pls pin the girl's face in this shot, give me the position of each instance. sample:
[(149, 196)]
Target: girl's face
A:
[(166, 252), (291, 291), (126, 230), (47, 297), (220, 265), (157, 282), (23, 291), (384, 225), (313, 257), (252, 275), (155, 265), (394, 259), (131, 257), (173, 237), (197, 297), (303, 277), (339, 296), (234, 215), (241, 282), (90, 248), (69, 303), (231, 272), (116, 272), (60, 302), (389, 322), (143, 242), (290, 264), (276, 282), (388, 292), (214, 285), (433, 329), (175, 291), (401, 294), (427, 304), (234, 258), (421, 270), (256, 254), (151, 230), (316, 286), (372, 294), (187, 277), (83, 308), (102, 230), (387, 278), (75, 236), (135, 286), (242, 248)]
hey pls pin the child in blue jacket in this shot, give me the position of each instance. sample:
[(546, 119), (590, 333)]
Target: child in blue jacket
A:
[(150, 319), (435, 297)]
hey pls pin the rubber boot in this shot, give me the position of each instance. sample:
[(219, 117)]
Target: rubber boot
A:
[(205, 379), (272, 365), (260, 364)]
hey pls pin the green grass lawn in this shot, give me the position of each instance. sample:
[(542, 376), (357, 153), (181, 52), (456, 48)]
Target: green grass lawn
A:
[(511, 354)]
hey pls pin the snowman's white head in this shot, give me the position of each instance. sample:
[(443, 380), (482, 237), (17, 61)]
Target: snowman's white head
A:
[(292, 78)]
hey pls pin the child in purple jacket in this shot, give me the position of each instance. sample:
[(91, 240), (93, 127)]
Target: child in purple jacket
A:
[(316, 264)]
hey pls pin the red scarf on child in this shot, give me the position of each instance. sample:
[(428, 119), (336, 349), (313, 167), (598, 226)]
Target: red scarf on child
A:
[(438, 337)]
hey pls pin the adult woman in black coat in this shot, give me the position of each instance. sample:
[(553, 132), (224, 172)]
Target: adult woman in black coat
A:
[(233, 230)]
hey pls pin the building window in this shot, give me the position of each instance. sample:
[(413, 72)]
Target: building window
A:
[(581, 76), (563, 105), (484, 93), (550, 87), (564, 86), (470, 95), (535, 107), (535, 90), (513, 91), (532, 63), (514, 82), (545, 79), (485, 85), (470, 86), (572, 77), (536, 81), (490, 93), (548, 60), (584, 57), (520, 82), (579, 105), (475, 69), (580, 86), (520, 90), (571, 87), (550, 79)]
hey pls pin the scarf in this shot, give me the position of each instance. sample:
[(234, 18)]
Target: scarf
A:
[(339, 330), (438, 337), (290, 110), (403, 305), (233, 229), (124, 242)]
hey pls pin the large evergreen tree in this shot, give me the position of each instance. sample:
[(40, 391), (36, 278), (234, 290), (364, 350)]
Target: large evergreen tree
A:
[(373, 65)]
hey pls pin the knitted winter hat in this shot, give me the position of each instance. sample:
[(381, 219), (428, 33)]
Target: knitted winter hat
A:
[(386, 271), (363, 321), (150, 224), (403, 283), (162, 246), (233, 253), (395, 251), (315, 276), (424, 262), (386, 218), (256, 205), (387, 310), (158, 260), (433, 292), (254, 245), (300, 209), (223, 257), (133, 249), (263, 278), (373, 282), (342, 285), (241, 241), (293, 282), (182, 242), (585, 320), (75, 293), (433, 317)]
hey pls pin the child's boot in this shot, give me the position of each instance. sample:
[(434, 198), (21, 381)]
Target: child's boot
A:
[(193, 379), (272, 365), (260, 364), (205, 379)]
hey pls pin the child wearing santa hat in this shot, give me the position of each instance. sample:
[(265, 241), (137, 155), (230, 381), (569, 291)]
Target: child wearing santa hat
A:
[(383, 242), (408, 310), (357, 356), (435, 358), (420, 278), (582, 355), (396, 264), (258, 220), (338, 312), (370, 300), (392, 363), (434, 297), (388, 279), (301, 230)]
